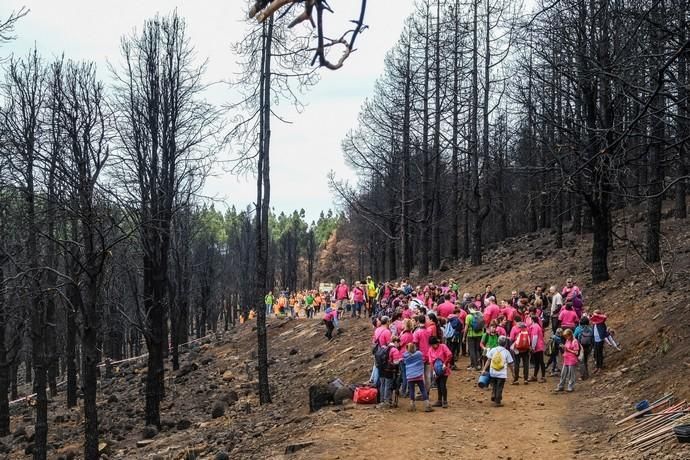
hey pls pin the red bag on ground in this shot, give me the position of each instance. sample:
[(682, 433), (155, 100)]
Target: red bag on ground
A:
[(365, 395)]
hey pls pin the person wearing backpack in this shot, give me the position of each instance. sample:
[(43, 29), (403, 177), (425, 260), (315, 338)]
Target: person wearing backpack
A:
[(414, 373), (387, 361), (453, 336), (601, 336), (499, 360), (521, 346), (440, 357), (553, 349), (474, 329), (489, 340), (584, 333), (571, 351)]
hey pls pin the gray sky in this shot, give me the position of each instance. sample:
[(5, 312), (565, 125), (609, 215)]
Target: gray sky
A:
[(301, 155)]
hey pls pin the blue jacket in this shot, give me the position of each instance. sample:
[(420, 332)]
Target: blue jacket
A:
[(414, 365)]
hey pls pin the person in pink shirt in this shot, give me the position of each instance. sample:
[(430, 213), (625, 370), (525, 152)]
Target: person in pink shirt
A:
[(440, 357), (567, 318), (570, 290), (501, 328), (509, 311), (406, 337), (421, 340), (491, 311), (328, 321), (433, 326), (388, 374), (342, 293), (446, 308), (571, 351), (358, 297), (407, 312), (538, 346), (382, 334)]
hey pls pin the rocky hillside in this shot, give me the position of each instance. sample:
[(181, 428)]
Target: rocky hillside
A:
[(212, 411)]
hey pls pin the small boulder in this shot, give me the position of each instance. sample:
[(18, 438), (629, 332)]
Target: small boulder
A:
[(218, 409), (112, 399), (222, 455), (228, 376), (187, 369), (149, 432), (231, 397), (183, 424)]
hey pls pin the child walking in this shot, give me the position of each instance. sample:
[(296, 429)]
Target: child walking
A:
[(414, 373)]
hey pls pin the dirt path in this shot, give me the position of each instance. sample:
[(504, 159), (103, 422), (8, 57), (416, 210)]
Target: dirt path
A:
[(470, 428)]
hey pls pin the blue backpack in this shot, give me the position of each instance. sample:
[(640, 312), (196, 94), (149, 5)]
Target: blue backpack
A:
[(438, 368)]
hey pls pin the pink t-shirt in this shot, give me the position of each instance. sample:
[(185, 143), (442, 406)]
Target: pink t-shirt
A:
[(528, 319), (509, 313), (569, 293), (570, 359), (445, 309), (443, 353), (513, 333), (407, 313), (328, 316), (341, 292), (405, 338), (358, 294), (462, 315), (382, 336), (536, 330), (421, 339), (395, 355), (431, 327), (568, 319), (501, 331), (491, 312)]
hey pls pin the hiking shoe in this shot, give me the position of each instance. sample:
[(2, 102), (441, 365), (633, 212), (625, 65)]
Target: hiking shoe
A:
[(558, 390), (533, 379), (515, 382), (526, 382), (498, 404), (437, 404), (412, 407), (383, 405), (542, 380), (570, 390), (428, 409), (445, 404)]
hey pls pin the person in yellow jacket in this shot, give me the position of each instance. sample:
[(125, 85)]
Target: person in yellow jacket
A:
[(372, 294)]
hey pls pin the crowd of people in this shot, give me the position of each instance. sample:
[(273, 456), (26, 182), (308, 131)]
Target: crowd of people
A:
[(420, 334)]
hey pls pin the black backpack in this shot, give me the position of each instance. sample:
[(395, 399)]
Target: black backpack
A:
[(381, 357), (586, 336)]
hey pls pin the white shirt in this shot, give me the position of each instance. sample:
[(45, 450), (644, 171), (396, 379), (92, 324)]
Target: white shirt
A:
[(507, 359), (556, 302)]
